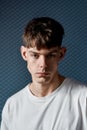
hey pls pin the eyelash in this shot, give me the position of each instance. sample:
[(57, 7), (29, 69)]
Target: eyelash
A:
[(35, 55), (51, 55), (48, 56)]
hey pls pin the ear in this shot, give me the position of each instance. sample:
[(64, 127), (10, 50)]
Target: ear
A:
[(62, 52), (24, 52)]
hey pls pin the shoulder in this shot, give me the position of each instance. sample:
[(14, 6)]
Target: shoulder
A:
[(75, 83), (14, 104), (19, 94), (76, 87), (15, 100)]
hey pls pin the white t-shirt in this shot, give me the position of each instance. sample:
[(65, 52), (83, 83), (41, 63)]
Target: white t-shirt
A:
[(63, 109)]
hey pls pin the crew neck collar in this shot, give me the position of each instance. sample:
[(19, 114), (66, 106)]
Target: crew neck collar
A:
[(47, 97)]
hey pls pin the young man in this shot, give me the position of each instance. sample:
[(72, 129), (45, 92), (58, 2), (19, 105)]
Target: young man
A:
[(51, 101)]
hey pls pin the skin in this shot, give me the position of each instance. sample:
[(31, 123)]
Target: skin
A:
[(43, 66)]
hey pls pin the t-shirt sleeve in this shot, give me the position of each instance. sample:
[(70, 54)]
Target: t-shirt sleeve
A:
[(5, 117), (82, 103)]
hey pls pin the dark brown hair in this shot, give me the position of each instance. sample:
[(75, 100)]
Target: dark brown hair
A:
[(43, 32)]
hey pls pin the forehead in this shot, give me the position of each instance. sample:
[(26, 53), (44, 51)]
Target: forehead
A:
[(43, 50)]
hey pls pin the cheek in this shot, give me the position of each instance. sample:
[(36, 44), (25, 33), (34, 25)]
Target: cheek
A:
[(31, 66), (53, 66)]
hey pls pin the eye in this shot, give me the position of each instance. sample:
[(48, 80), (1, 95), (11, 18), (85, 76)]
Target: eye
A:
[(52, 55), (34, 55)]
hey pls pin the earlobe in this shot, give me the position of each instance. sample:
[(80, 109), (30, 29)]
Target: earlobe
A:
[(23, 52)]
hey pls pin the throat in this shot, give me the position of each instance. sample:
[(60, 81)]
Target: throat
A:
[(40, 90)]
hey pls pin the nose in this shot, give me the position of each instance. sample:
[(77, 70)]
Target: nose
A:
[(42, 62)]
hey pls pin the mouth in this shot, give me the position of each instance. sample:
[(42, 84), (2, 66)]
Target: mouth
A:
[(42, 74)]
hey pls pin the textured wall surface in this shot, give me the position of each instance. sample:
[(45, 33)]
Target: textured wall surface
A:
[(14, 15)]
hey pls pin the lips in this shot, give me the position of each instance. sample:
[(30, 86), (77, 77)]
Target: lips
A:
[(42, 74)]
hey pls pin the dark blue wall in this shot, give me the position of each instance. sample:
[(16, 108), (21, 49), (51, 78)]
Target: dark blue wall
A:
[(15, 14)]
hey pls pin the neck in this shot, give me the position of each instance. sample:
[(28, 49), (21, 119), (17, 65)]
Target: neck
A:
[(41, 90)]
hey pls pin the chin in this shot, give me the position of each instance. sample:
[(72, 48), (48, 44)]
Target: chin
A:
[(43, 80)]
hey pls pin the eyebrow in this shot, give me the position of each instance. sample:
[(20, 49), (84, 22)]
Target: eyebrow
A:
[(53, 51)]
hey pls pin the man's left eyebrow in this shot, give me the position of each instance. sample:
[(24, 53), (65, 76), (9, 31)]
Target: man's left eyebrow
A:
[(54, 51)]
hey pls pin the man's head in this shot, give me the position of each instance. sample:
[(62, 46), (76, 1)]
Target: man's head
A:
[(42, 48), (43, 32)]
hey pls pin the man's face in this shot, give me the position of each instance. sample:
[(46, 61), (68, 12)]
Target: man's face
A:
[(42, 64)]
